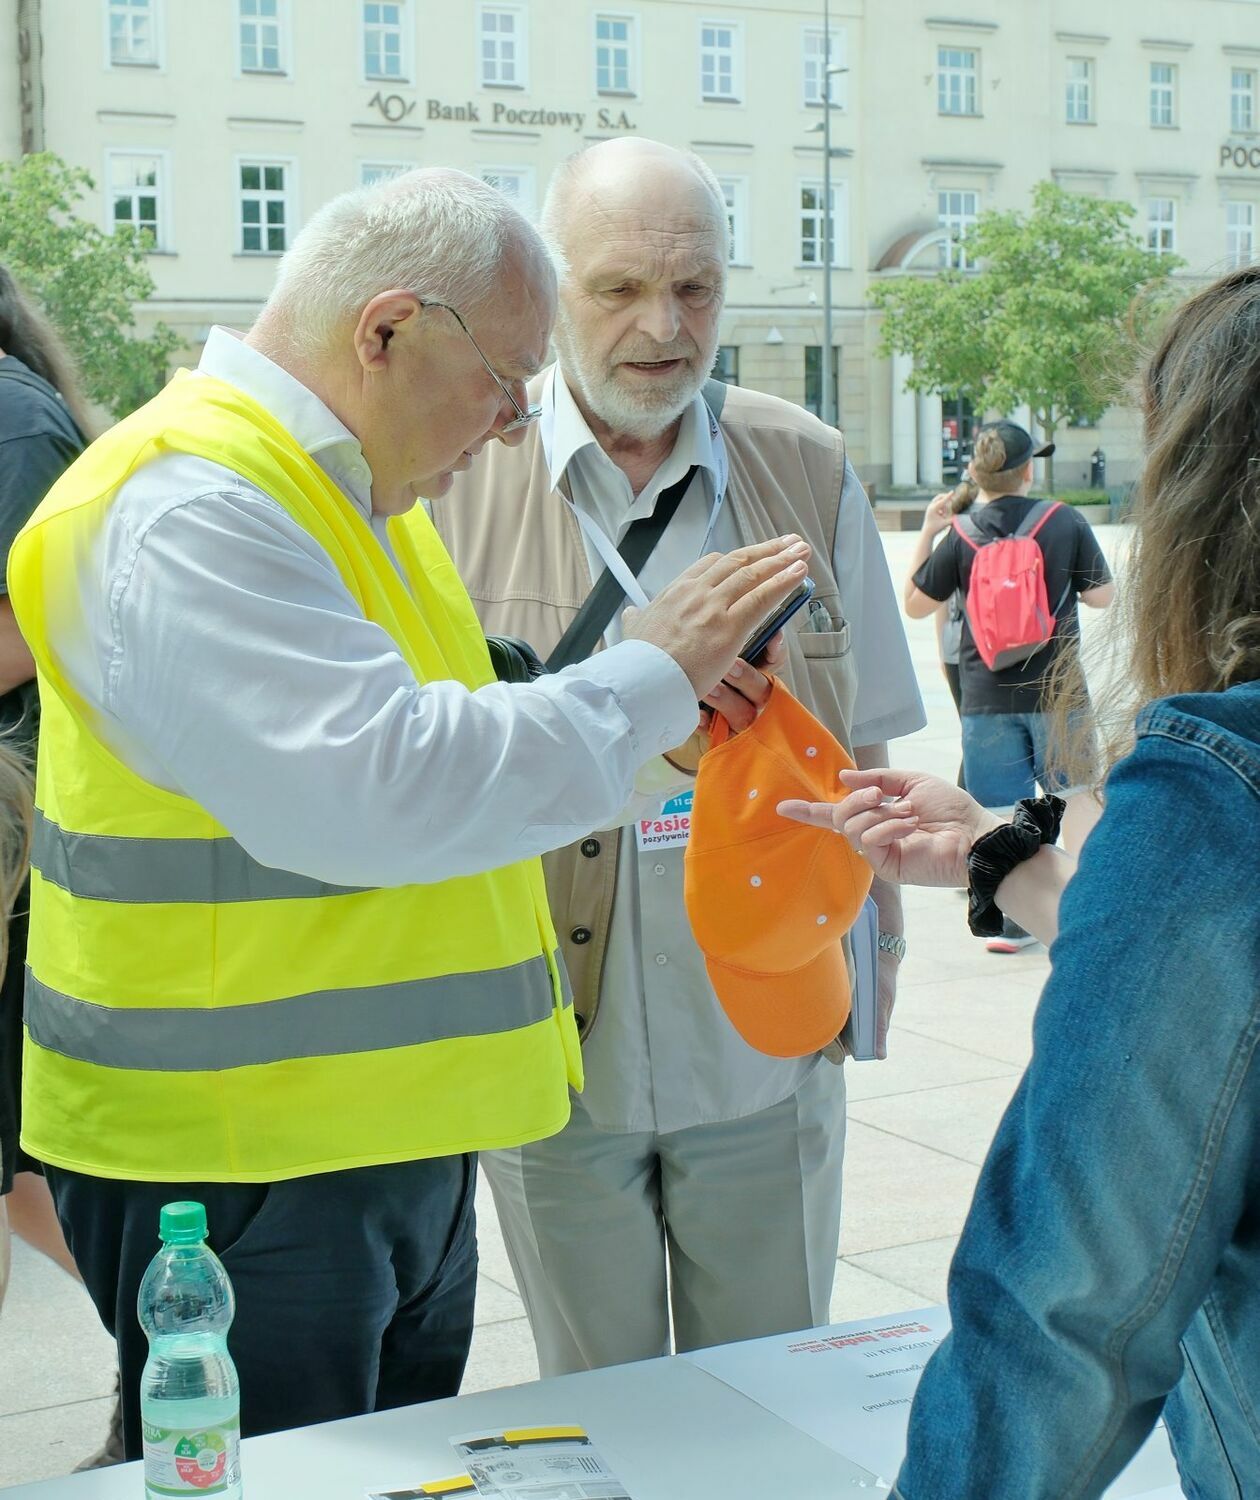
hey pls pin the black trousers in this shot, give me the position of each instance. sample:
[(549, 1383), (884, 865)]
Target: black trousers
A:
[(354, 1290)]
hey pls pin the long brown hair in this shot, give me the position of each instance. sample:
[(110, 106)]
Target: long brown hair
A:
[(1189, 610), (29, 336)]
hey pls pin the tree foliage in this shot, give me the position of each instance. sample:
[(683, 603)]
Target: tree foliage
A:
[(1053, 316), (87, 281)]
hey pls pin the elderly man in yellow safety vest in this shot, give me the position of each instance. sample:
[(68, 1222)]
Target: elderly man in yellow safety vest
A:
[(290, 950)]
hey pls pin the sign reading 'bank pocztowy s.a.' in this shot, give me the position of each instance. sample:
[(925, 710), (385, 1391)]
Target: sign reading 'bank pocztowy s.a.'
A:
[(502, 113)]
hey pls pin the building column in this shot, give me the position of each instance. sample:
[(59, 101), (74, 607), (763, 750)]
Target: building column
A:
[(930, 417), (904, 442)]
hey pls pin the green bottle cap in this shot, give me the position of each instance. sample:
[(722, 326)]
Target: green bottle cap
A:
[(183, 1224)]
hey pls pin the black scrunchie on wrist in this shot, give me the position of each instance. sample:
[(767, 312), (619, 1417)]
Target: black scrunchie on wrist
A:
[(1035, 822)]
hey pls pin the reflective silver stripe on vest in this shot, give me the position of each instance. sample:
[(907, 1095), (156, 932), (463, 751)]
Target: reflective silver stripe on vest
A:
[(104, 867), (324, 1024)]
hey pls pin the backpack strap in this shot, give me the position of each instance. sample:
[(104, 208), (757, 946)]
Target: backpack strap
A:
[(1037, 517), (974, 537)]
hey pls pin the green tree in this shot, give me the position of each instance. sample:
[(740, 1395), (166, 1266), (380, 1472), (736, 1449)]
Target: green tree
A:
[(87, 281), (1054, 314)]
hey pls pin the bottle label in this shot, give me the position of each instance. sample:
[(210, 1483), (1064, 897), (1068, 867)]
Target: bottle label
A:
[(205, 1462)]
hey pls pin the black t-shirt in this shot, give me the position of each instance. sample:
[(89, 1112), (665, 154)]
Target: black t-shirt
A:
[(38, 440), (1074, 562)]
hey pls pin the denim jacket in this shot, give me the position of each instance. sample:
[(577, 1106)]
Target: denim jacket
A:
[(1110, 1265)]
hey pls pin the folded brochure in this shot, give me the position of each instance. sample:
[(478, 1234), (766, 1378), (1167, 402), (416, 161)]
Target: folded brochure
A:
[(523, 1463)]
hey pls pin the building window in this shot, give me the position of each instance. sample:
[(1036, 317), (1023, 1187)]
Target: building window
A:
[(1242, 99), (1161, 226), (501, 29), (957, 81), (811, 199), (515, 183), (372, 172), (721, 61), (1240, 234), (266, 214), (134, 195), (386, 40), (813, 378), (1163, 94), (735, 192), (726, 365), (817, 61), (133, 33), (956, 212), (262, 36), (1080, 90), (616, 46)]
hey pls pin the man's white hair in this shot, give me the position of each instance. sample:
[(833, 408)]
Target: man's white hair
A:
[(436, 232), (568, 175)]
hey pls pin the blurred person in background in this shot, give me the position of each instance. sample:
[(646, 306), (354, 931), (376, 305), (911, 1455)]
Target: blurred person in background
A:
[(1007, 751), (948, 617)]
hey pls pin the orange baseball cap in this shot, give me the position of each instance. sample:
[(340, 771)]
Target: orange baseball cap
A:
[(769, 899)]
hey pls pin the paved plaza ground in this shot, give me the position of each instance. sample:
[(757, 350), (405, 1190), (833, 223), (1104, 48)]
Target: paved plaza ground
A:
[(919, 1126)]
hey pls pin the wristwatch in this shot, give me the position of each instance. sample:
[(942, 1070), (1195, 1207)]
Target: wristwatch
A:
[(894, 943)]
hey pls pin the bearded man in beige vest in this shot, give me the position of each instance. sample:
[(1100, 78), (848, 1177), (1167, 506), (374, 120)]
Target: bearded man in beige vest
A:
[(694, 1169)]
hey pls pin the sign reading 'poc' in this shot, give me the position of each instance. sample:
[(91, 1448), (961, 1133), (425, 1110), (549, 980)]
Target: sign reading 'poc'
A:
[(1240, 156)]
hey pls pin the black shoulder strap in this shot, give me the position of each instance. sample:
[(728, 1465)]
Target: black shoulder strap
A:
[(578, 641)]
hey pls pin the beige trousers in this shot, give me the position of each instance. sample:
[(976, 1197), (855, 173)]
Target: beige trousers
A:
[(735, 1225)]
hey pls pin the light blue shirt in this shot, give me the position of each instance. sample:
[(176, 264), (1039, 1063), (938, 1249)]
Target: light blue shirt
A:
[(222, 657)]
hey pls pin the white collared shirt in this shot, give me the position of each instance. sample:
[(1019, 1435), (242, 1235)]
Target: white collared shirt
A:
[(222, 657), (662, 1056)]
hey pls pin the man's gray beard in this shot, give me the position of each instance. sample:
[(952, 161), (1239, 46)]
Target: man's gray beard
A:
[(613, 405)]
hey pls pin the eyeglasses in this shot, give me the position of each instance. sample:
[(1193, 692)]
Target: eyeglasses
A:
[(524, 415)]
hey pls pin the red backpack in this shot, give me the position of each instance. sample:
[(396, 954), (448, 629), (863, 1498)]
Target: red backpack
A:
[(1007, 606)]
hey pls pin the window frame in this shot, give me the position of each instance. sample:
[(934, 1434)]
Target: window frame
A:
[(527, 202), (162, 244), (406, 42), (1232, 259), (948, 70), (1070, 83), (738, 79), (841, 257), (157, 18), (289, 195), (284, 36), (839, 55), (1170, 85), (716, 374), (1159, 224), (737, 217), (521, 11), (953, 250), (1249, 94), (633, 43)]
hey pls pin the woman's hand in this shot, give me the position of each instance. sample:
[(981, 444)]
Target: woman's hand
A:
[(739, 698), (913, 829), (939, 513)]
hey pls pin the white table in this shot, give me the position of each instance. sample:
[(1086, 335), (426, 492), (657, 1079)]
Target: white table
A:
[(726, 1424)]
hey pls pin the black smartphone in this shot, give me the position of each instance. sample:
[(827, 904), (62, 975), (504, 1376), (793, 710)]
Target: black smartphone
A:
[(755, 645)]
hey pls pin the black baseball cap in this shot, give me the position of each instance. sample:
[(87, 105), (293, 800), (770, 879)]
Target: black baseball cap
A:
[(1018, 444)]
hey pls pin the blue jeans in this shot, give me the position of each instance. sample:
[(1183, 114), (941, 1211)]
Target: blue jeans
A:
[(1110, 1265), (1005, 757)]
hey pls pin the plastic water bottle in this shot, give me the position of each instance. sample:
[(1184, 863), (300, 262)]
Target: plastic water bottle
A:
[(190, 1398)]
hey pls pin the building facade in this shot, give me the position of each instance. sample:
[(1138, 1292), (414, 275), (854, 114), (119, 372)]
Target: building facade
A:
[(218, 126)]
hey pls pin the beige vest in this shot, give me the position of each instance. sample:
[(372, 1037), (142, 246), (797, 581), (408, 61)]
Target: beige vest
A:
[(519, 551)]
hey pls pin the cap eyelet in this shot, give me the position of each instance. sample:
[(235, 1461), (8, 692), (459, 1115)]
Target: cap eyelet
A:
[(756, 880), (822, 921), (752, 794), (811, 751)]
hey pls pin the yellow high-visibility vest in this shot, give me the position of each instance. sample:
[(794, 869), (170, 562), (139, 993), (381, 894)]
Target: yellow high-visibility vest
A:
[(192, 1015)]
